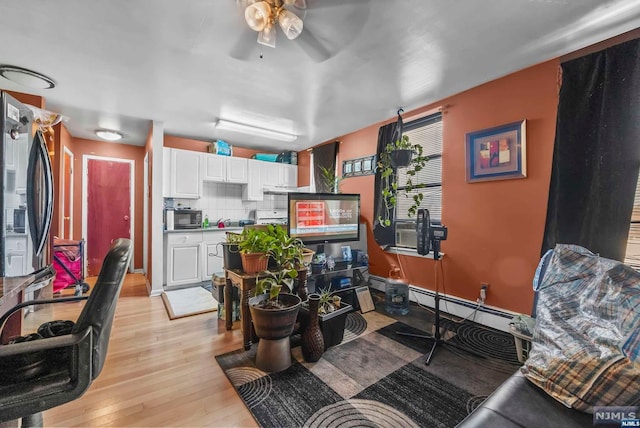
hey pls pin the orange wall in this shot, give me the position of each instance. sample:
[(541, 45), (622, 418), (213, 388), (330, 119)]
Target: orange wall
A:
[(495, 228), (80, 147)]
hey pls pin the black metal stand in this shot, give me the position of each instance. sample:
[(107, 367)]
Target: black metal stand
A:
[(436, 337)]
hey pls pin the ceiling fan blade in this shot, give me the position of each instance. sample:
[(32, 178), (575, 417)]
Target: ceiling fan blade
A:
[(312, 46), (321, 4), (245, 45)]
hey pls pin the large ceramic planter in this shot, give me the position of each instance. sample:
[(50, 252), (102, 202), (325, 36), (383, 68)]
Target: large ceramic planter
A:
[(273, 327), (332, 324)]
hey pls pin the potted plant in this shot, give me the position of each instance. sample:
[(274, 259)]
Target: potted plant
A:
[(330, 180), (332, 316), (273, 312), (389, 161), (254, 245), (231, 251)]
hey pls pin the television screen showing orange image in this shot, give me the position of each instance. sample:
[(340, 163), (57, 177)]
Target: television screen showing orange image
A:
[(318, 218)]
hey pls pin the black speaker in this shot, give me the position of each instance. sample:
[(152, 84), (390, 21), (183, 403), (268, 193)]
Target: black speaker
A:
[(422, 231)]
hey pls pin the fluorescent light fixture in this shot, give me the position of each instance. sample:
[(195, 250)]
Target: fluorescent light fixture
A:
[(227, 125), (108, 135), (25, 77)]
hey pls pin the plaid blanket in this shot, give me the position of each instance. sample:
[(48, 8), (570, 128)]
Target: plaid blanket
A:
[(586, 343)]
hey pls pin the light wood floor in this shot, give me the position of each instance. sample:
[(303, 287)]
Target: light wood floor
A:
[(158, 372)]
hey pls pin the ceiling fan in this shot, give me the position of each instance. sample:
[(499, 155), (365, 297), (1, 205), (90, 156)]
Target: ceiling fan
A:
[(265, 16), (262, 16)]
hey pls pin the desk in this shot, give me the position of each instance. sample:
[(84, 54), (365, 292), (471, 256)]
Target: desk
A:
[(246, 283)]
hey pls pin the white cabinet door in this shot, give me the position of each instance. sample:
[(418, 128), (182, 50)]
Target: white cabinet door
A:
[(253, 190), (184, 265), (182, 258), (214, 167), (9, 153), (166, 172), (185, 174), (237, 170), (212, 260), (212, 253), (269, 173), (289, 175)]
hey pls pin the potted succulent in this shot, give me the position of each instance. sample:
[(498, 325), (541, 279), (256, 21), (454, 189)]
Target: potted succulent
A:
[(332, 317), (389, 161)]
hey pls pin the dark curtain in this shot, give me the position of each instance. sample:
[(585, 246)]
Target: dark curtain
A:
[(325, 156), (384, 235), (597, 152)]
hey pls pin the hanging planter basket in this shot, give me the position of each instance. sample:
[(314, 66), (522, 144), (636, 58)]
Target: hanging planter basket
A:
[(400, 158)]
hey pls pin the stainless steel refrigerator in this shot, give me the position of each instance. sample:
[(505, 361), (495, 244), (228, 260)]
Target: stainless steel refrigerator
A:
[(26, 206)]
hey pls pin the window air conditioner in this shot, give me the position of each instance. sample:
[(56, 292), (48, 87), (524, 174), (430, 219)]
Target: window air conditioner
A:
[(406, 235)]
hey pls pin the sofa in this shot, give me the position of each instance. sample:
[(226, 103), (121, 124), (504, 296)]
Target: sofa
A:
[(585, 348)]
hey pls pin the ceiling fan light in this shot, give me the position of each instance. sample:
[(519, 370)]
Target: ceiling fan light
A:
[(109, 135), (257, 15), (290, 23), (267, 36)]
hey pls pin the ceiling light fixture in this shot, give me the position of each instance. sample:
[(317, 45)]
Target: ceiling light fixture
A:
[(108, 135), (226, 125), (25, 77), (262, 16)]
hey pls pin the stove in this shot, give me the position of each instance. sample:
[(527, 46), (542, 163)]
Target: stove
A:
[(277, 216)]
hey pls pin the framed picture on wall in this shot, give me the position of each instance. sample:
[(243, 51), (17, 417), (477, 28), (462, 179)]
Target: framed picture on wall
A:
[(497, 153)]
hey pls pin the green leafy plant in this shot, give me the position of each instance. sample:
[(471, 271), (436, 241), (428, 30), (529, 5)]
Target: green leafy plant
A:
[(255, 240), (287, 254), (330, 180), (390, 190), (329, 302)]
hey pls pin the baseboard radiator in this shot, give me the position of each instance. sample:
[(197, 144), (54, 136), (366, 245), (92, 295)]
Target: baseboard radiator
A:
[(486, 315)]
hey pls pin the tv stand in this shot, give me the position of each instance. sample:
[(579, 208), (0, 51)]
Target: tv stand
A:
[(330, 279)]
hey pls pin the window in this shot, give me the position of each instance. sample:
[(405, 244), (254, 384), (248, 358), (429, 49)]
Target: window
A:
[(632, 256), (427, 132)]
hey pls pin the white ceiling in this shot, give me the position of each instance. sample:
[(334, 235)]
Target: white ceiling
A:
[(120, 64)]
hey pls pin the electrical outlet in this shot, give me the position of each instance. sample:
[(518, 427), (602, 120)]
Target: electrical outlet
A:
[(483, 292)]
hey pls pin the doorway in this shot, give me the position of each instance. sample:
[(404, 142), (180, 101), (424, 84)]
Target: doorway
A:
[(108, 206), (66, 231)]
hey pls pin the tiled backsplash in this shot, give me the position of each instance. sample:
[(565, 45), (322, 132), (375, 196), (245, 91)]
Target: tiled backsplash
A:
[(224, 201)]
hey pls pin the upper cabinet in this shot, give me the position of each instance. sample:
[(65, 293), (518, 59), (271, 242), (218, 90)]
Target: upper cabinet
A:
[(181, 174), (275, 174), (225, 169), (253, 190)]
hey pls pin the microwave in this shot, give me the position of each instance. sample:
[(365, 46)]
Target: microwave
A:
[(186, 219)]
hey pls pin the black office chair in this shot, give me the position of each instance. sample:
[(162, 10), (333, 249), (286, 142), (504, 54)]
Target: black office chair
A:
[(36, 375)]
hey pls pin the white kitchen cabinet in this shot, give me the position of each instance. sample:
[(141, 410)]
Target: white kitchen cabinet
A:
[(279, 174), (253, 190), (289, 174), (212, 261), (183, 258), (223, 169), (183, 173)]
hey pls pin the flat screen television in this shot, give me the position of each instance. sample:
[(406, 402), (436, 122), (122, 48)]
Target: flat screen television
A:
[(320, 218)]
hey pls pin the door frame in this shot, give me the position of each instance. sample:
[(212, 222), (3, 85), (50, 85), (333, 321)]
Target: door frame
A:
[(85, 187), (63, 195), (145, 213)]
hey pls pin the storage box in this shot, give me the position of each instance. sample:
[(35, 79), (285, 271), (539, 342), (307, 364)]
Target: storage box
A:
[(218, 293)]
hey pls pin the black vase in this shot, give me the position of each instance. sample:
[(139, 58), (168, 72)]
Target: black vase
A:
[(401, 157), (312, 339)]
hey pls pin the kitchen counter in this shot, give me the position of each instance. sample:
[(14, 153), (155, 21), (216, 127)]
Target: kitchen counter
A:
[(207, 229)]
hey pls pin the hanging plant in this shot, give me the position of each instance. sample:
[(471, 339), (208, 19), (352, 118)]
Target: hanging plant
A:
[(387, 167)]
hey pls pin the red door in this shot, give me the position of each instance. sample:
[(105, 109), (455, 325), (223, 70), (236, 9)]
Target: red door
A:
[(108, 208)]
